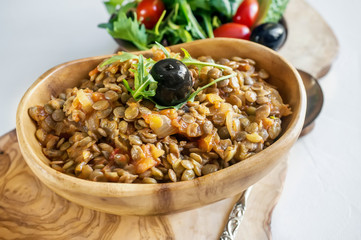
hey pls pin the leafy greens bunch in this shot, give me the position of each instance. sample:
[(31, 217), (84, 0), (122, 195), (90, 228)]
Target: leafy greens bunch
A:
[(181, 21)]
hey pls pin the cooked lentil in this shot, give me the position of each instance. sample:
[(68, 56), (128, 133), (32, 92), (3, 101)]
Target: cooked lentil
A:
[(99, 132)]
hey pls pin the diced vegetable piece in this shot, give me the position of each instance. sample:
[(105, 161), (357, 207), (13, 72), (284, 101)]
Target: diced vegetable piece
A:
[(85, 100), (267, 122), (156, 152), (212, 98), (254, 137), (145, 162), (206, 143), (161, 125)]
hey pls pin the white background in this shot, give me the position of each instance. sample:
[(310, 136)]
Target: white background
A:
[(322, 195)]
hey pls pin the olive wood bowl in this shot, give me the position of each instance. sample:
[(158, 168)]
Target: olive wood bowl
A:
[(162, 198)]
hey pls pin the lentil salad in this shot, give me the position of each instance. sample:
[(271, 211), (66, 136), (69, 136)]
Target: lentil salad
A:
[(101, 132)]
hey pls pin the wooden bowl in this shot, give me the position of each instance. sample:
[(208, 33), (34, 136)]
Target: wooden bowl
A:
[(150, 199)]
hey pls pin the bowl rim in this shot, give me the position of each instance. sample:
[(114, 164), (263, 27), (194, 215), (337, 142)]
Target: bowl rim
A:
[(111, 189)]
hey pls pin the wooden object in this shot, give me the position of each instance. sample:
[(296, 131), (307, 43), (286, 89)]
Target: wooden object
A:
[(314, 101), (311, 44), (148, 199), (30, 210)]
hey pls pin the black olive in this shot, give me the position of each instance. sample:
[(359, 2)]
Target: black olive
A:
[(174, 81), (272, 35)]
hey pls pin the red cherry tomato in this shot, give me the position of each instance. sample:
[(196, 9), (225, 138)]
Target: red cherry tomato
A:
[(232, 30), (149, 12), (247, 13)]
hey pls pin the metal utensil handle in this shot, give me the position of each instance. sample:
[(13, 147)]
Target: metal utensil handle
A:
[(235, 217)]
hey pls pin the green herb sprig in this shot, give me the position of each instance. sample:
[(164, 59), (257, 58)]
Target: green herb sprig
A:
[(128, 29), (144, 84), (125, 56), (195, 93), (164, 50), (181, 21), (188, 60)]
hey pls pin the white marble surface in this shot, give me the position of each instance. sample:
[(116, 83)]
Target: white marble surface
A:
[(36, 35), (322, 195)]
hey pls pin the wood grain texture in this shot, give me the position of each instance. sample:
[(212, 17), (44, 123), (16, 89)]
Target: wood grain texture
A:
[(311, 44), (30, 210)]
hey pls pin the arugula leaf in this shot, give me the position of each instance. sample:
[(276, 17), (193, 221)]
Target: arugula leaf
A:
[(193, 24), (121, 58), (156, 28), (149, 63), (165, 29), (188, 60), (173, 26), (216, 22), (167, 54), (194, 94), (180, 31), (184, 35), (208, 24), (199, 4), (176, 9), (223, 6), (172, 36), (129, 29), (144, 83)]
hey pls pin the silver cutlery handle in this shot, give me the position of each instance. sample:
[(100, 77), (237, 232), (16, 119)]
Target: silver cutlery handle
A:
[(235, 217)]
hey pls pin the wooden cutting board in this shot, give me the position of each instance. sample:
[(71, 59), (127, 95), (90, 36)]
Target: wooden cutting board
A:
[(29, 210), (311, 44)]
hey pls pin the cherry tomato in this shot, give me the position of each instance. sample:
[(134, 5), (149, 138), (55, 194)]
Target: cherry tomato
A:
[(232, 30), (247, 13), (149, 12)]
